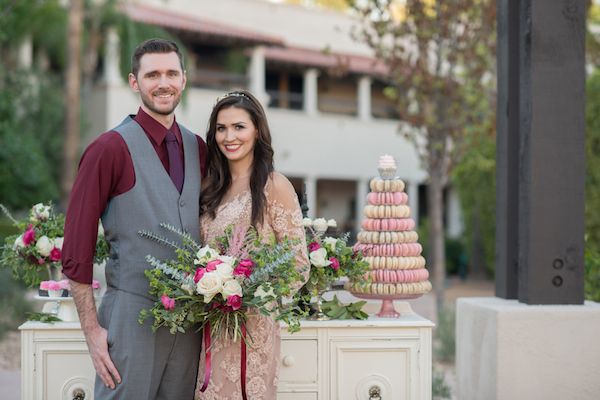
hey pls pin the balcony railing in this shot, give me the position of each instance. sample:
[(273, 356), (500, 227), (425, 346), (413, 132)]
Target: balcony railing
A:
[(287, 100), (380, 109), (337, 105), (220, 80)]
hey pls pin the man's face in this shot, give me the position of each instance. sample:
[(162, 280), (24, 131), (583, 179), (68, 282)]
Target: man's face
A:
[(160, 82)]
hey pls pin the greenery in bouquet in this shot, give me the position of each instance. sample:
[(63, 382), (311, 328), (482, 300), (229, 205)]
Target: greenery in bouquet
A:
[(38, 245), (219, 284), (330, 258), (37, 248)]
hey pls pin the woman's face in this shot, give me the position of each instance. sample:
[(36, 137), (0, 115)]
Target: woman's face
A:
[(236, 135)]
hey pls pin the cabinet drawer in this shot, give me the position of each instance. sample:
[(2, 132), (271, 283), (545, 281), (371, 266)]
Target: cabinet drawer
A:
[(297, 396), (298, 362)]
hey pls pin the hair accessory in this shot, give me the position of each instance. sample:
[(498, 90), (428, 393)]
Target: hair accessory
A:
[(231, 94)]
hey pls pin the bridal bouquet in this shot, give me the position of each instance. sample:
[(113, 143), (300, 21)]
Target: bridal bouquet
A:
[(38, 245), (215, 287)]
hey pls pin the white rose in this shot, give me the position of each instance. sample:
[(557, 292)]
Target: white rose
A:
[(205, 255), (320, 225), (227, 259), (318, 258), (331, 223), (19, 244), (225, 271), (44, 246), (209, 285), (58, 242), (40, 212), (330, 243), (262, 292), (231, 288), (307, 222)]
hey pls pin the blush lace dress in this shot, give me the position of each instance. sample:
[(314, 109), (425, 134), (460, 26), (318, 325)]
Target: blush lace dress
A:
[(284, 219)]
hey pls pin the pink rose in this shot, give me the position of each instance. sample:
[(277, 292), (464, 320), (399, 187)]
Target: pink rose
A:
[(44, 285), (53, 285), (55, 254), (240, 270), (167, 302), (335, 264), (29, 235), (244, 268), (211, 266), (313, 246), (95, 284), (234, 301), (199, 274)]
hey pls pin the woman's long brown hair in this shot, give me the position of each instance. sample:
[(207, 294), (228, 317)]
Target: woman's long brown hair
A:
[(218, 176)]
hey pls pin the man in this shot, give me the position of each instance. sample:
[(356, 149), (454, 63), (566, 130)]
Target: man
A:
[(143, 172)]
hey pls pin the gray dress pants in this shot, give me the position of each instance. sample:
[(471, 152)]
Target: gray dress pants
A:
[(153, 365)]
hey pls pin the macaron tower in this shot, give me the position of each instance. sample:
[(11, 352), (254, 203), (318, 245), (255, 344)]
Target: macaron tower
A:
[(390, 244)]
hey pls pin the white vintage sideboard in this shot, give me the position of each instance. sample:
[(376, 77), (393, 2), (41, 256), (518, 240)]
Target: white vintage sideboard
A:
[(383, 359)]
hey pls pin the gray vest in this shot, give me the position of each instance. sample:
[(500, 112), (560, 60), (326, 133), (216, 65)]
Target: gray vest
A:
[(152, 200)]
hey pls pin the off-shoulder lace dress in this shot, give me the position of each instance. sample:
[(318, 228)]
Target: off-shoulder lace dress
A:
[(283, 218)]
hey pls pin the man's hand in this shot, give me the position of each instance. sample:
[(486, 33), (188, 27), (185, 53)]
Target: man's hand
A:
[(95, 335), (97, 341)]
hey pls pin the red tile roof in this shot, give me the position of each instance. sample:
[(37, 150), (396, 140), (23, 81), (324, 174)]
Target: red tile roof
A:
[(325, 59), (276, 50), (172, 20)]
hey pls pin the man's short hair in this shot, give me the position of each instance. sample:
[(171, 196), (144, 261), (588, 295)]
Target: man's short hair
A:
[(154, 46)]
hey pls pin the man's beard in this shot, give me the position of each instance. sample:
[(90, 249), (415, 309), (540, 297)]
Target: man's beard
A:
[(148, 103)]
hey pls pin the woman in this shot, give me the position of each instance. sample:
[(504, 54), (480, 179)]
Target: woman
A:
[(243, 189)]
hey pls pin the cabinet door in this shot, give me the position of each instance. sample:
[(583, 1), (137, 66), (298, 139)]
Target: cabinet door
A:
[(66, 369), (364, 365)]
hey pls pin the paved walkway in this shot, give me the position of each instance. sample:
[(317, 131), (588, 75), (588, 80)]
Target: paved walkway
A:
[(10, 385)]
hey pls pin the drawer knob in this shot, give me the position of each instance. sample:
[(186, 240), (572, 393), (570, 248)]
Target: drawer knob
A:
[(78, 394), (375, 393), (288, 361)]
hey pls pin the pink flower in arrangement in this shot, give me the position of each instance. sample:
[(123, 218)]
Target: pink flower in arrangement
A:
[(41, 261), (199, 274), (53, 285), (29, 235), (44, 285), (167, 302), (55, 254), (211, 266), (95, 284), (64, 284), (335, 264), (313, 246), (244, 268), (234, 301)]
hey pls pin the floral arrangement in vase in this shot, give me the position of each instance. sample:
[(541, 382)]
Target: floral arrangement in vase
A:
[(331, 259), (37, 248)]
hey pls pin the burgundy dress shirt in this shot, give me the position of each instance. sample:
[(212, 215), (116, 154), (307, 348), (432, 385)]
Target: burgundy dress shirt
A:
[(105, 171)]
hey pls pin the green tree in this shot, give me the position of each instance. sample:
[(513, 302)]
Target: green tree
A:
[(592, 188), (441, 59), (475, 180)]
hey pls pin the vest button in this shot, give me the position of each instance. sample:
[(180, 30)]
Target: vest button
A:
[(182, 203)]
